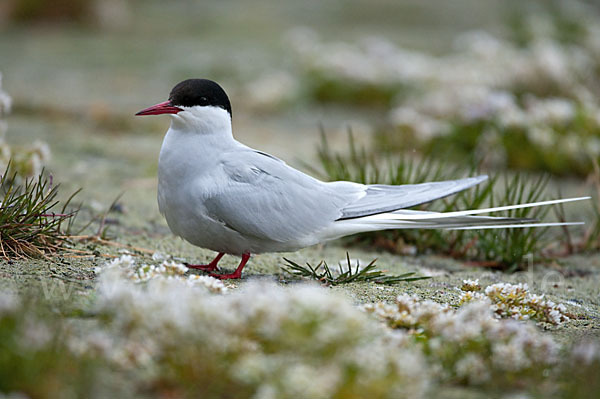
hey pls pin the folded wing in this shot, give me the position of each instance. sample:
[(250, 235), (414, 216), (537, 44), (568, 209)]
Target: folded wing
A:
[(266, 199), (383, 198)]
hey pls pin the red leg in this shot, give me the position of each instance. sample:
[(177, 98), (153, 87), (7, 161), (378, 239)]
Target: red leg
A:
[(237, 273), (210, 267)]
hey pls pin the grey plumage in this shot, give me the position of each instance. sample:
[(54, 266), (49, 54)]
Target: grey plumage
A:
[(262, 197), (381, 198)]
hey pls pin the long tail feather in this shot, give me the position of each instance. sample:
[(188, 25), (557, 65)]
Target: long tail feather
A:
[(517, 225), (458, 220), (402, 214)]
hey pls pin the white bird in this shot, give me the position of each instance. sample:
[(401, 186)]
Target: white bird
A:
[(219, 194)]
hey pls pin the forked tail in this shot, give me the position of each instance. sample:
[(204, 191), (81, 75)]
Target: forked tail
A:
[(458, 220)]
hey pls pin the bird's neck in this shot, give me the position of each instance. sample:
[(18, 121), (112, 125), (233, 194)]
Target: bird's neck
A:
[(189, 154), (194, 143), (196, 137), (211, 124)]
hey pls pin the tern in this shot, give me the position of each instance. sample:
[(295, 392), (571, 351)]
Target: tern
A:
[(220, 194)]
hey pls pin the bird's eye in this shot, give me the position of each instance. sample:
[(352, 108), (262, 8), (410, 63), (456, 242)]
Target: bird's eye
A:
[(203, 100)]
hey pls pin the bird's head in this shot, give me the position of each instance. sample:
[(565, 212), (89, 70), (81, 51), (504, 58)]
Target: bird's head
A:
[(195, 101)]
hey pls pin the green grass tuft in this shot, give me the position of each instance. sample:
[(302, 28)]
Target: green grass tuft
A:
[(30, 225), (325, 275)]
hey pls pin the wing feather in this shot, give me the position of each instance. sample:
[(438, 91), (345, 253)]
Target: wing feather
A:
[(265, 198), (381, 198)]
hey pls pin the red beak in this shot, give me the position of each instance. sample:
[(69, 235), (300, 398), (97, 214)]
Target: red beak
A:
[(158, 109)]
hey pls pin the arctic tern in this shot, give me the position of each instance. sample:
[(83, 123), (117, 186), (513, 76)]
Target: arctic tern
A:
[(220, 194)]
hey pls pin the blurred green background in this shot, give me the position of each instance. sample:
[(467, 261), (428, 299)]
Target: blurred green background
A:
[(121, 52), (290, 66)]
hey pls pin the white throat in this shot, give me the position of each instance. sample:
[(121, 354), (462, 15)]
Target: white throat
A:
[(196, 139), (202, 120)]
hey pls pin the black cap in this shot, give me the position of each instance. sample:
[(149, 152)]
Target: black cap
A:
[(201, 92)]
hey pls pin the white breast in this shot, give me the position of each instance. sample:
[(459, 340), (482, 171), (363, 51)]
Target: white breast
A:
[(188, 172)]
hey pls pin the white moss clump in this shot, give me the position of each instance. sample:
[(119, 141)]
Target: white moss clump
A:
[(471, 285), (470, 344), (268, 341), (124, 262), (212, 284), (126, 267), (515, 301), (261, 341)]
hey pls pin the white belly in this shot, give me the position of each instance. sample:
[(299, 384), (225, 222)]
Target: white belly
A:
[(186, 178), (190, 172), (182, 205), (186, 217)]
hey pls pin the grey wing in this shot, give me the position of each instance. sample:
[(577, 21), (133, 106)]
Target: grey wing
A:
[(264, 198), (382, 198)]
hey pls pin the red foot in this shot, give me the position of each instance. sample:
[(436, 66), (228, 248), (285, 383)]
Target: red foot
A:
[(237, 273), (210, 267), (229, 276)]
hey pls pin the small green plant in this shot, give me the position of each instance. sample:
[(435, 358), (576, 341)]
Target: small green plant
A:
[(590, 240), (29, 223), (504, 248), (345, 275)]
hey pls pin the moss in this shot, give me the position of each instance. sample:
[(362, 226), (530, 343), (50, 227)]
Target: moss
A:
[(330, 90)]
